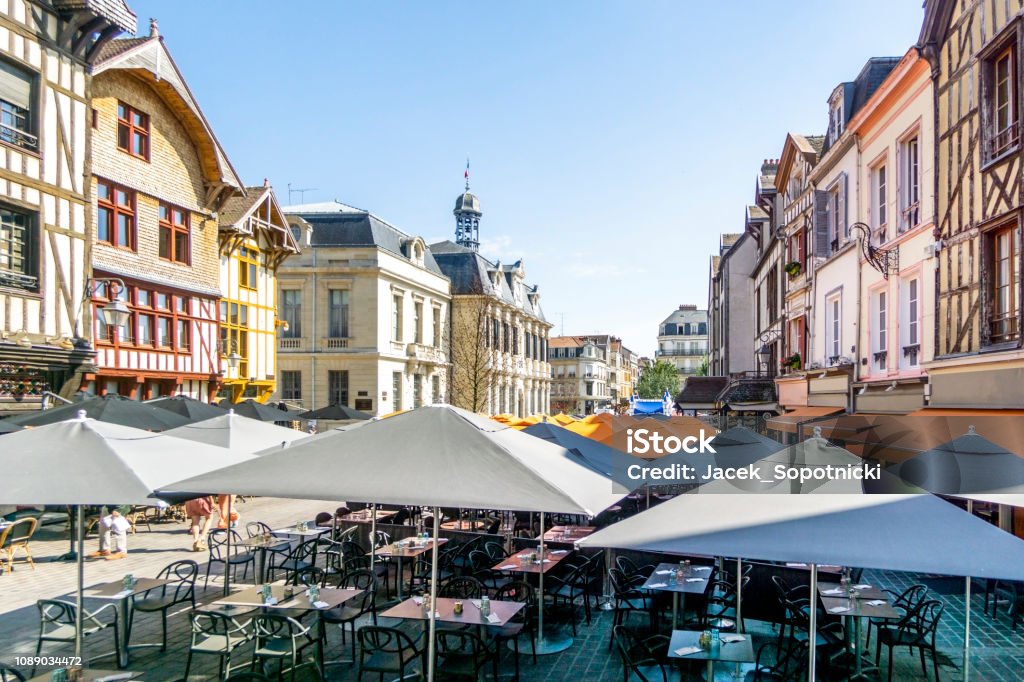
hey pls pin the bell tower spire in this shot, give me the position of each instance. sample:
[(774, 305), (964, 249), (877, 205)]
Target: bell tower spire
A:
[(467, 217)]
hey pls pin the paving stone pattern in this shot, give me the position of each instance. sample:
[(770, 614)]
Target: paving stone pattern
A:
[(997, 651)]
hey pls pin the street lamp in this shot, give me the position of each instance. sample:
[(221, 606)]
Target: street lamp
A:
[(233, 360), (115, 313), (764, 354)]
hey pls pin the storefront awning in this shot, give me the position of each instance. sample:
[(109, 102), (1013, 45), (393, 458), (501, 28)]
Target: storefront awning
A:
[(788, 422), (964, 412)]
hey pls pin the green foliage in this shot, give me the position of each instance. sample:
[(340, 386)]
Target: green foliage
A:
[(656, 379)]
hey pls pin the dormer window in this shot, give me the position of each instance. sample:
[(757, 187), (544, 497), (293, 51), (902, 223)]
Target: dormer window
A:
[(835, 125)]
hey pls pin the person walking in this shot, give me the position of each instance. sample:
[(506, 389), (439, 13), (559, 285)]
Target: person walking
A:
[(200, 511), (224, 503), (113, 531)]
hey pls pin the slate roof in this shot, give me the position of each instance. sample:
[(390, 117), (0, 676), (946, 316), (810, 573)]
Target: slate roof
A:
[(112, 48), (472, 274), (236, 207), (686, 315), (701, 390), (817, 142), (346, 226), (749, 391), (115, 11)]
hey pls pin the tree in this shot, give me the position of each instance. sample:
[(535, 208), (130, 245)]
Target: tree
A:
[(656, 379), (565, 395), (473, 373), (705, 367)]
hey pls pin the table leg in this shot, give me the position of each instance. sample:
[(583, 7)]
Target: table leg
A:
[(675, 608), (122, 626), (711, 670), (261, 566), (398, 578)]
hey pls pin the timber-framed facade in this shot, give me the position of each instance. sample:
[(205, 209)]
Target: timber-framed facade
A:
[(974, 49)]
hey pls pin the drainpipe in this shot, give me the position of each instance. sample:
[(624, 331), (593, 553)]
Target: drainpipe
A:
[(316, 347), (855, 375)]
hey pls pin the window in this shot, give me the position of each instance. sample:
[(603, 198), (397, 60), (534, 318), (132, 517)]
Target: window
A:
[(132, 131), (515, 340), (337, 387), (337, 314), (435, 389), (396, 387), (234, 333), (417, 320), (174, 234), (291, 313), (833, 322), (145, 329), (1002, 132), (115, 215), (17, 250), (17, 113), (438, 331), (417, 390), (878, 199), (910, 322), (183, 333), (396, 318), (506, 337), (910, 184), (248, 263), (496, 333), (880, 331), (1005, 279), (291, 385)]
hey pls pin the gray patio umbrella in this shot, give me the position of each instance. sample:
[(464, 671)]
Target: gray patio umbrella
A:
[(608, 461), (238, 433), (336, 413), (267, 413), (84, 462), (113, 409), (7, 426), (190, 408), (919, 533), (740, 446), (437, 456)]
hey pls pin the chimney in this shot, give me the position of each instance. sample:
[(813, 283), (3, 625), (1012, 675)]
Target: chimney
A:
[(769, 166), (688, 306)]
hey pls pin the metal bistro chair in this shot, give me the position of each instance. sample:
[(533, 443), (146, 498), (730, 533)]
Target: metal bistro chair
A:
[(628, 598), (916, 630), (217, 542), (18, 536), (346, 615), (640, 656), (282, 639), (462, 654), (216, 634), (389, 651), (57, 624), (180, 589), (523, 622), (302, 556), (8, 674), (461, 587), (908, 600)]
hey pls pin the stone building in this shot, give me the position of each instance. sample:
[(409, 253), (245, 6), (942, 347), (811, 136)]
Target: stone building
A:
[(159, 178), (364, 312), (580, 374), (46, 49), (683, 339), (730, 312), (499, 335)]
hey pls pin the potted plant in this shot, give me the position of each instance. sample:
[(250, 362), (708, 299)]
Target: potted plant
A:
[(793, 268), (794, 361)]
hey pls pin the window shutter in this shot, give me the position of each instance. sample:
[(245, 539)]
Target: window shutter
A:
[(821, 236), (844, 225), (15, 85)]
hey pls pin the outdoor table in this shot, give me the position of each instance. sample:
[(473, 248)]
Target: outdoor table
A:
[(366, 515), (464, 524), (310, 532), (695, 581), (94, 675), (262, 544), (739, 651), (115, 591), (559, 534), (444, 608), (520, 563), (402, 550), (859, 604), (824, 568)]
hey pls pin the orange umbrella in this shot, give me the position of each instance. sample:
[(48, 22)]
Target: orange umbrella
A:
[(563, 419), (596, 430)]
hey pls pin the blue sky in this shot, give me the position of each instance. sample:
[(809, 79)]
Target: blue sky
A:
[(610, 142)]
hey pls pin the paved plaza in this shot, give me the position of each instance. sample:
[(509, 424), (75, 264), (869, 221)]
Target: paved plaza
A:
[(997, 654)]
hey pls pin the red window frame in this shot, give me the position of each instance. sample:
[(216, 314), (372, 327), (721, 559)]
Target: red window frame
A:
[(132, 131), (115, 210), (175, 234)]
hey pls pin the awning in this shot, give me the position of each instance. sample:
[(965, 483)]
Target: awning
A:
[(788, 422)]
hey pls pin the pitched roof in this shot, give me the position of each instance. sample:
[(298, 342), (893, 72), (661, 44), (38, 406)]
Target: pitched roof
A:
[(238, 208), (112, 48), (566, 341), (472, 274), (116, 11), (756, 213), (348, 227), (816, 142)]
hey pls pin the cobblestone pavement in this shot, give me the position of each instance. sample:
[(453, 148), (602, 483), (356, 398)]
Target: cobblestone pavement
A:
[(997, 651)]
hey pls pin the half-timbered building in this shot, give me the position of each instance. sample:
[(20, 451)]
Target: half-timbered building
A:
[(159, 179), (974, 49), (46, 47)]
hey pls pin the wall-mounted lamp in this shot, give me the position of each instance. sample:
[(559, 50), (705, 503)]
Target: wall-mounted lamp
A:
[(115, 312), (283, 324), (234, 359)]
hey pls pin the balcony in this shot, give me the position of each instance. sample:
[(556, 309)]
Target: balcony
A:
[(680, 353), (910, 354), (424, 353), (998, 143), (290, 343), (336, 342)]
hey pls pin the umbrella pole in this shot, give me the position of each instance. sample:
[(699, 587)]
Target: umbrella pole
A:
[(81, 581), (546, 645), (433, 596), (227, 564), (967, 628), (813, 635), (739, 594)]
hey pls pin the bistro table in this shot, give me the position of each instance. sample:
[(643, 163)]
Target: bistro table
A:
[(262, 544), (405, 549), (570, 534), (94, 675), (734, 648), (521, 562), (444, 609), (123, 598), (464, 524), (863, 601), (695, 580), (366, 515)]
